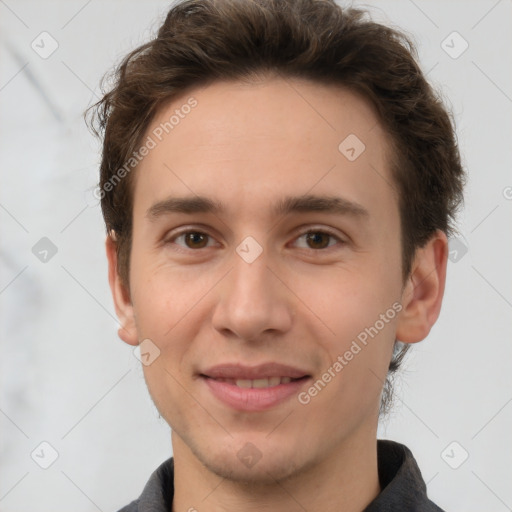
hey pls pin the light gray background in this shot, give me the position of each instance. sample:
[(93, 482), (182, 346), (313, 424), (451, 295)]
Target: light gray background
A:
[(68, 380)]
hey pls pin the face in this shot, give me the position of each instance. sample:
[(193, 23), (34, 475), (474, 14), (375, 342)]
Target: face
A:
[(263, 253)]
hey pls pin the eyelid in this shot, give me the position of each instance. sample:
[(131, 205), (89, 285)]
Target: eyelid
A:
[(203, 230), (304, 230)]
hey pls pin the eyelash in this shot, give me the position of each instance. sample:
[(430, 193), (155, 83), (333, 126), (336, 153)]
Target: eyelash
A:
[(308, 232)]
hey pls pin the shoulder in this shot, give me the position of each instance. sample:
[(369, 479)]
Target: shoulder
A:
[(402, 484), (131, 507), (158, 492)]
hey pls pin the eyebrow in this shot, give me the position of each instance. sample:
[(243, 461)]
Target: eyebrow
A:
[(290, 204)]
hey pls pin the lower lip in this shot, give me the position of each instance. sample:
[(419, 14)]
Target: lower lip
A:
[(253, 399)]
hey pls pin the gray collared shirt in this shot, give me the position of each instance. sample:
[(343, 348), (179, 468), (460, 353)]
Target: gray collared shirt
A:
[(403, 488)]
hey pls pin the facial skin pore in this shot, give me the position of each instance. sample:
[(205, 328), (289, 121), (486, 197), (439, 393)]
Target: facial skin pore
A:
[(301, 302)]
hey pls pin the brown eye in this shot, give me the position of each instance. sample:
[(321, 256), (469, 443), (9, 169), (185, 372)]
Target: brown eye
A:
[(195, 239), (191, 240), (318, 240)]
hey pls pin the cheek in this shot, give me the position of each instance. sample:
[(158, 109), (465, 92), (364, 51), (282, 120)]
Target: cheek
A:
[(346, 300), (353, 380), (162, 293), (358, 310), (162, 308)]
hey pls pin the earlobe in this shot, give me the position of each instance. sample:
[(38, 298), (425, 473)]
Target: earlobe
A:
[(424, 290), (121, 296)]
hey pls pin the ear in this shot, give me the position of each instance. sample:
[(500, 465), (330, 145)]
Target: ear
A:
[(423, 292), (122, 301)]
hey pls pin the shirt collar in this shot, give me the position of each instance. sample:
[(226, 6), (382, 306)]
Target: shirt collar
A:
[(401, 482)]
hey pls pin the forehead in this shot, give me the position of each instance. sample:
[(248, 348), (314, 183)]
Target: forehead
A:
[(251, 141)]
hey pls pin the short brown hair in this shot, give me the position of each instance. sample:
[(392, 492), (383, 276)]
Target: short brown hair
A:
[(202, 41)]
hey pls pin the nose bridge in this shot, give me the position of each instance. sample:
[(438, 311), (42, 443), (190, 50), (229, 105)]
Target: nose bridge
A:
[(250, 280), (252, 300)]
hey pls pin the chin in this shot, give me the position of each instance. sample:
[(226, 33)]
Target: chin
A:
[(263, 473), (239, 460)]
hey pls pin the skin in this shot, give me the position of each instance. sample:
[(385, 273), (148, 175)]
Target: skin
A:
[(247, 145)]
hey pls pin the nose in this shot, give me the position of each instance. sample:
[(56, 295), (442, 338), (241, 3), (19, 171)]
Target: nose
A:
[(253, 301)]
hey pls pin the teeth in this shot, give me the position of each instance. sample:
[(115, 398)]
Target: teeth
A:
[(274, 381), (261, 383)]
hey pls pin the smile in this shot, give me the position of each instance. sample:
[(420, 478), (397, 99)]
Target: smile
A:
[(253, 395), (258, 383)]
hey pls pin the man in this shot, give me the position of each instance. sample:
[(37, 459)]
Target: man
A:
[(278, 182)]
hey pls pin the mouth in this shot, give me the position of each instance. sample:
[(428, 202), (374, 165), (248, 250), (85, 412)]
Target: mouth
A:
[(258, 383), (253, 389)]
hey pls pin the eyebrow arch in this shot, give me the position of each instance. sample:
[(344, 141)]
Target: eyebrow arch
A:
[(290, 204), (193, 204), (314, 203)]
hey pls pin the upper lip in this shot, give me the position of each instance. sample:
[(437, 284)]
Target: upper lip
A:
[(262, 371)]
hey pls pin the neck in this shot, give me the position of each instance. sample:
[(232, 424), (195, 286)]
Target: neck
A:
[(345, 480)]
